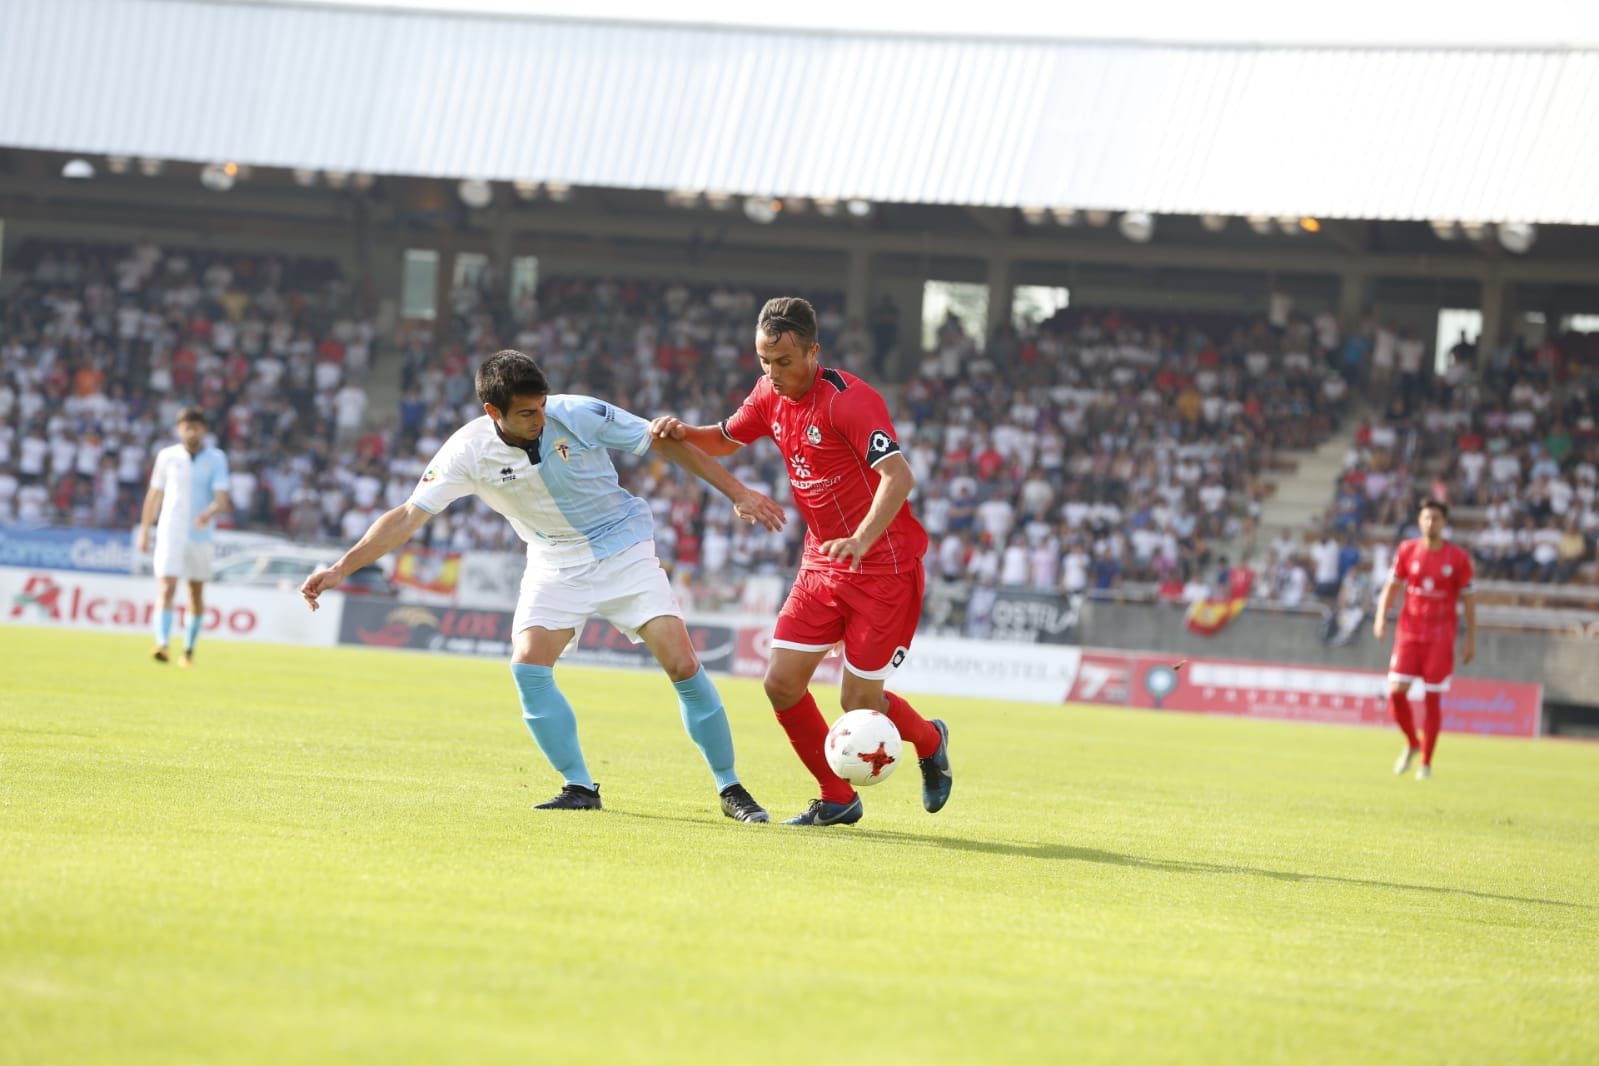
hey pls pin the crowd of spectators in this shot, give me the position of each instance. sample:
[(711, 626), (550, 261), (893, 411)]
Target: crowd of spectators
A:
[(1511, 445), (1073, 455)]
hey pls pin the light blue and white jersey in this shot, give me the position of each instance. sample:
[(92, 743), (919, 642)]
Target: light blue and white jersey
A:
[(188, 484), (561, 495)]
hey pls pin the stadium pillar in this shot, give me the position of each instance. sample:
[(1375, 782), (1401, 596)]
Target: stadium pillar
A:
[(1352, 297), (1000, 293), (858, 285), (1494, 318)]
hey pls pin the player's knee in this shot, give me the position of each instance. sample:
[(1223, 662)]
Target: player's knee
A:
[(783, 692), (681, 667)]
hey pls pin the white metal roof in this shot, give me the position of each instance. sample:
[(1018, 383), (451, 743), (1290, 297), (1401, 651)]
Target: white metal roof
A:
[(1486, 135)]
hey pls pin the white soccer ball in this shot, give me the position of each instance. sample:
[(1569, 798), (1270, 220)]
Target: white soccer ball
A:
[(863, 747)]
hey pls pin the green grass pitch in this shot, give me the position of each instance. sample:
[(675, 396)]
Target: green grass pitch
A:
[(290, 855)]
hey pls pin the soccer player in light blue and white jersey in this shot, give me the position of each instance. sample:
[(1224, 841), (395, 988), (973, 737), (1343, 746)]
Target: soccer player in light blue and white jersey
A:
[(188, 489), (543, 462)]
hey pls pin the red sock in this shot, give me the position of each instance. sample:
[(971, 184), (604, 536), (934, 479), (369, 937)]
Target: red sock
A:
[(1399, 705), (1432, 723), (912, 727), (807, 732)]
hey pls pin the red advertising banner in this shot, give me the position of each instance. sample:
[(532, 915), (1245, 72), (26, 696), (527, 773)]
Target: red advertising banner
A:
[(753, 650), (1324, 694)]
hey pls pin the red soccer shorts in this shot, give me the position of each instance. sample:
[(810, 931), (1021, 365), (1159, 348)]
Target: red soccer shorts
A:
[(875, 615), (1432, 663)]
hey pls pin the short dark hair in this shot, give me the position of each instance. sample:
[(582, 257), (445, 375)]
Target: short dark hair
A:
[(1435, 504), (191, 414), (507, 374), (789, 314)]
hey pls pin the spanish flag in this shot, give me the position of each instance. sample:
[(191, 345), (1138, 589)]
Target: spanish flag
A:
[(1210, 616)]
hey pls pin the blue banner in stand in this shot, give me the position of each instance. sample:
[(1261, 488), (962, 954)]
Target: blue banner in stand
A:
[(101, 551)]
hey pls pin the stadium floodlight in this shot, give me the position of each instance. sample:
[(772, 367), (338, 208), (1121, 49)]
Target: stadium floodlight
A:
[(559, 191), (1261, 224), (1213, 223), (1310, 224), (858, 208), (304, 177), (475, 193), (1474, 231), (1097, 217), (1445, 230), (150, 167), (1035, 216), (118, 164), (219, 177), (762, 210), (78, 170), (1064, 216), (826, 205), (1517, 238), (1137, 226)]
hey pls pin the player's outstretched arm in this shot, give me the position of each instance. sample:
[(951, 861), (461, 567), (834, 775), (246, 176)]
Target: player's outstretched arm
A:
[(1379, 624), (390, 531), (748, 504), (893, 490), (152, 507), (708, 439)]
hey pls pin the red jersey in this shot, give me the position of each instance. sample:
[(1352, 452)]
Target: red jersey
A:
[(1433, 582), (832, 438)]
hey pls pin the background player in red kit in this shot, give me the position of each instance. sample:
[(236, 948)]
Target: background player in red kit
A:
[(861, 578), (1436, 576)]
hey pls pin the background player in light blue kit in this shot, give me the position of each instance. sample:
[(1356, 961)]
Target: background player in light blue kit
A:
[(188, 489), (542, 462)]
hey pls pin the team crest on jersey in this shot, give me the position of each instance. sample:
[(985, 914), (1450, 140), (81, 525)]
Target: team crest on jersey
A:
[(1448, 570), (431, 475), (813, 434), (1415, 568), (563, 448)]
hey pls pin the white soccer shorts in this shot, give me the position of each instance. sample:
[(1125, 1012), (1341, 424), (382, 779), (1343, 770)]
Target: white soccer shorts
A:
[(182, 558), (627, 590)]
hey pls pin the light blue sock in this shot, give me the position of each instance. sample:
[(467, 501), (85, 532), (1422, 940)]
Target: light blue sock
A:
[(191, 633), (550, 719), (163, 628), (706, 722)]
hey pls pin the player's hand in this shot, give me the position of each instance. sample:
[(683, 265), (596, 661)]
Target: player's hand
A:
[(318, 583), (1469, 651), (753, 507), (143, 543), (846, 548), (1379, 626), (203, 519), (668, 427)]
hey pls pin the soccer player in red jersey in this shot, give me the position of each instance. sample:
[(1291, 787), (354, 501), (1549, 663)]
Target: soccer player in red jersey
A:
[(860, 581), (1436, 576)]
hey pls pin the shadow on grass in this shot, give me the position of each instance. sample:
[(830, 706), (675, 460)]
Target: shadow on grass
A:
[(1069, 853)]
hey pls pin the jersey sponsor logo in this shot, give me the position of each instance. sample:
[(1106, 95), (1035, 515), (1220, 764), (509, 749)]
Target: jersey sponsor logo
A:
[(507, 474), (813, 434), (802, 469), (879, 445)]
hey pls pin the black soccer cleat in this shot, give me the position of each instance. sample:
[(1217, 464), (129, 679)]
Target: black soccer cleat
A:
[(821, 812), (572, 798), (739, 805), (936, 779), (159, 654)]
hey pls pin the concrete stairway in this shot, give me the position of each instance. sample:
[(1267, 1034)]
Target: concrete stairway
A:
[(1303, 497)]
